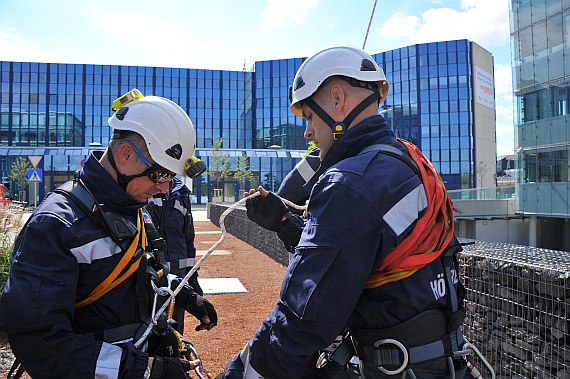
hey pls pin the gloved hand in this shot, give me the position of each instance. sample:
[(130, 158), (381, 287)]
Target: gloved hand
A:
[(193, 281), (269, 212), (203, 310), (171, 368)]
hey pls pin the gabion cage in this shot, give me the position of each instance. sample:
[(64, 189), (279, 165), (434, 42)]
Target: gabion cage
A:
[(518, 308)]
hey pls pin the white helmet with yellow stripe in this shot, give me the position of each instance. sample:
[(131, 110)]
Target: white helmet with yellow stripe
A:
[(167, 130)]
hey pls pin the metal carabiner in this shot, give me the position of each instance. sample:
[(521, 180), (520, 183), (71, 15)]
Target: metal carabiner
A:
[(402, 348), (469, 346)]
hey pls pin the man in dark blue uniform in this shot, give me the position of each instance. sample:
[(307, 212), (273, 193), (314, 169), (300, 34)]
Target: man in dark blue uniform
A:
[(376, 243), (77, 297), (292, 187), (172, 215)]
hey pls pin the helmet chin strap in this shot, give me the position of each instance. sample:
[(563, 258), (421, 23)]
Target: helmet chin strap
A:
[(339, 127), (122, 179)]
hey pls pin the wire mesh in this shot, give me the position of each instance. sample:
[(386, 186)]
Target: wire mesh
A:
[(518, 308)]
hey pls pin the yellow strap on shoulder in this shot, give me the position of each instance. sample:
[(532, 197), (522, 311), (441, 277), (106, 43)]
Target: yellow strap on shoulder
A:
[(112, 281)]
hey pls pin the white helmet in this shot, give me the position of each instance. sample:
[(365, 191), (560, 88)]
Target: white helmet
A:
[(336, 60), (167, 130)]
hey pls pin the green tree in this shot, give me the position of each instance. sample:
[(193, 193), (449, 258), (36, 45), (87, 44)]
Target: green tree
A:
[(219, 162), (310, 146), (19, 171), (242, 171)]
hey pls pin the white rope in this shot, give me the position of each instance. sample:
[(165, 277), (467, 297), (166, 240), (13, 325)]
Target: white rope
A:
[(163, 291), (369, 22)]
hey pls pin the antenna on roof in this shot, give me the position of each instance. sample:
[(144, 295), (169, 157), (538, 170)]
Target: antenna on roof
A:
[(244, 69), (369, 22)]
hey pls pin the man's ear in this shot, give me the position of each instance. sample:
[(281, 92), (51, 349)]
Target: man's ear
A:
[(124, 153), (338, 97)]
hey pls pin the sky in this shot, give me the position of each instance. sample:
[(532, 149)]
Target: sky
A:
[(231, 35)]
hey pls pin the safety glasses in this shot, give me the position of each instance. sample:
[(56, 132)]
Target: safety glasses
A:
[(154, 172)]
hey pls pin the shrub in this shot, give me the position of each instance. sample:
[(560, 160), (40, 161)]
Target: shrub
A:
[(10, 225)]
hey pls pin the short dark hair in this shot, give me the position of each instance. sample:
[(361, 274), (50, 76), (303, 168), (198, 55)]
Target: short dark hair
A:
[(133, 137)]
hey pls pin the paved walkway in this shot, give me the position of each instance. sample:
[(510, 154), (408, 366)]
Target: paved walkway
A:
[(199, 212)]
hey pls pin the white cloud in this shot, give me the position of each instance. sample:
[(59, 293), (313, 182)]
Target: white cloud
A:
[(399, 26), (485, 22), (504, 118), (504, 109), (169, 44), (11, 36), (281, 13), (14, 47), (505, 139), (503, 80)]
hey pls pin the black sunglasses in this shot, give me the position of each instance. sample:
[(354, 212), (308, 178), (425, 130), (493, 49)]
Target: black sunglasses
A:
[(154, 172)]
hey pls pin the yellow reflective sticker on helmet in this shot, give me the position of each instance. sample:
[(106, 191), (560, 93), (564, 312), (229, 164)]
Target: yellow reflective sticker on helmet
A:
[(127, 98)]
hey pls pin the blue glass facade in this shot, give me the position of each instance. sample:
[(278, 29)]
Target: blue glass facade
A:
[(540, 42), (430, 103), (54, 106)]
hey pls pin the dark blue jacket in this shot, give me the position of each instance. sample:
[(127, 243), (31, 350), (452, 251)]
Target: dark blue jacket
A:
[(359, 209), (59, 257), (172, 214), (292, 188)]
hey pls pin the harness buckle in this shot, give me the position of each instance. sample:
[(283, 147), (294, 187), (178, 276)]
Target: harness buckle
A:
[(378, 357)]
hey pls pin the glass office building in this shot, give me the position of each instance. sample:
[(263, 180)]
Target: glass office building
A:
[(435, 101), (441, 99), (540, 42)]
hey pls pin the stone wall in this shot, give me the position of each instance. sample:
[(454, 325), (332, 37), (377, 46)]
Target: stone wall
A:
[(518, 308), (238, 225), (517, 299)]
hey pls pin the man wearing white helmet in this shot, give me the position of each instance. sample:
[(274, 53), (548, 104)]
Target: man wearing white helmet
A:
[(78, 296), (374, 258)]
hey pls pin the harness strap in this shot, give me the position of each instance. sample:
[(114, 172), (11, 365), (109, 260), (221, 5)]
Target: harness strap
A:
[(392, 355), (422, 340), (113, 280), (140, 290), (84, 199), (457, 313), (339, 127), (430, 236), (120, 334), (394, 152)]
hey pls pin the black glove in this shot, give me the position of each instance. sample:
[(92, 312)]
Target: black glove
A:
[(200, 307), (268, 212), (169, 368), (193, 281)]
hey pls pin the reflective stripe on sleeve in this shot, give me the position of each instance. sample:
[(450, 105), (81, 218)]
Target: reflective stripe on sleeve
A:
[(108, 362), (97, 249), (305, 170), (406, 211)]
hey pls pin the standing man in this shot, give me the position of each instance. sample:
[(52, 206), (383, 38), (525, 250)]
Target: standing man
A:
[(77, 296), (172, 215), (377, 241)]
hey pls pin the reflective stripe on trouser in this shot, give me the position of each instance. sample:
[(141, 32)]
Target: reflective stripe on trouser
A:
[(186, 262)]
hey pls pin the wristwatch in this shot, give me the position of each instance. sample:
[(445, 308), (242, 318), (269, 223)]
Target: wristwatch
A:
[(147, 373)]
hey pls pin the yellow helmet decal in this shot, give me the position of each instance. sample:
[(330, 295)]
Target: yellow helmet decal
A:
[(127, 98)]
